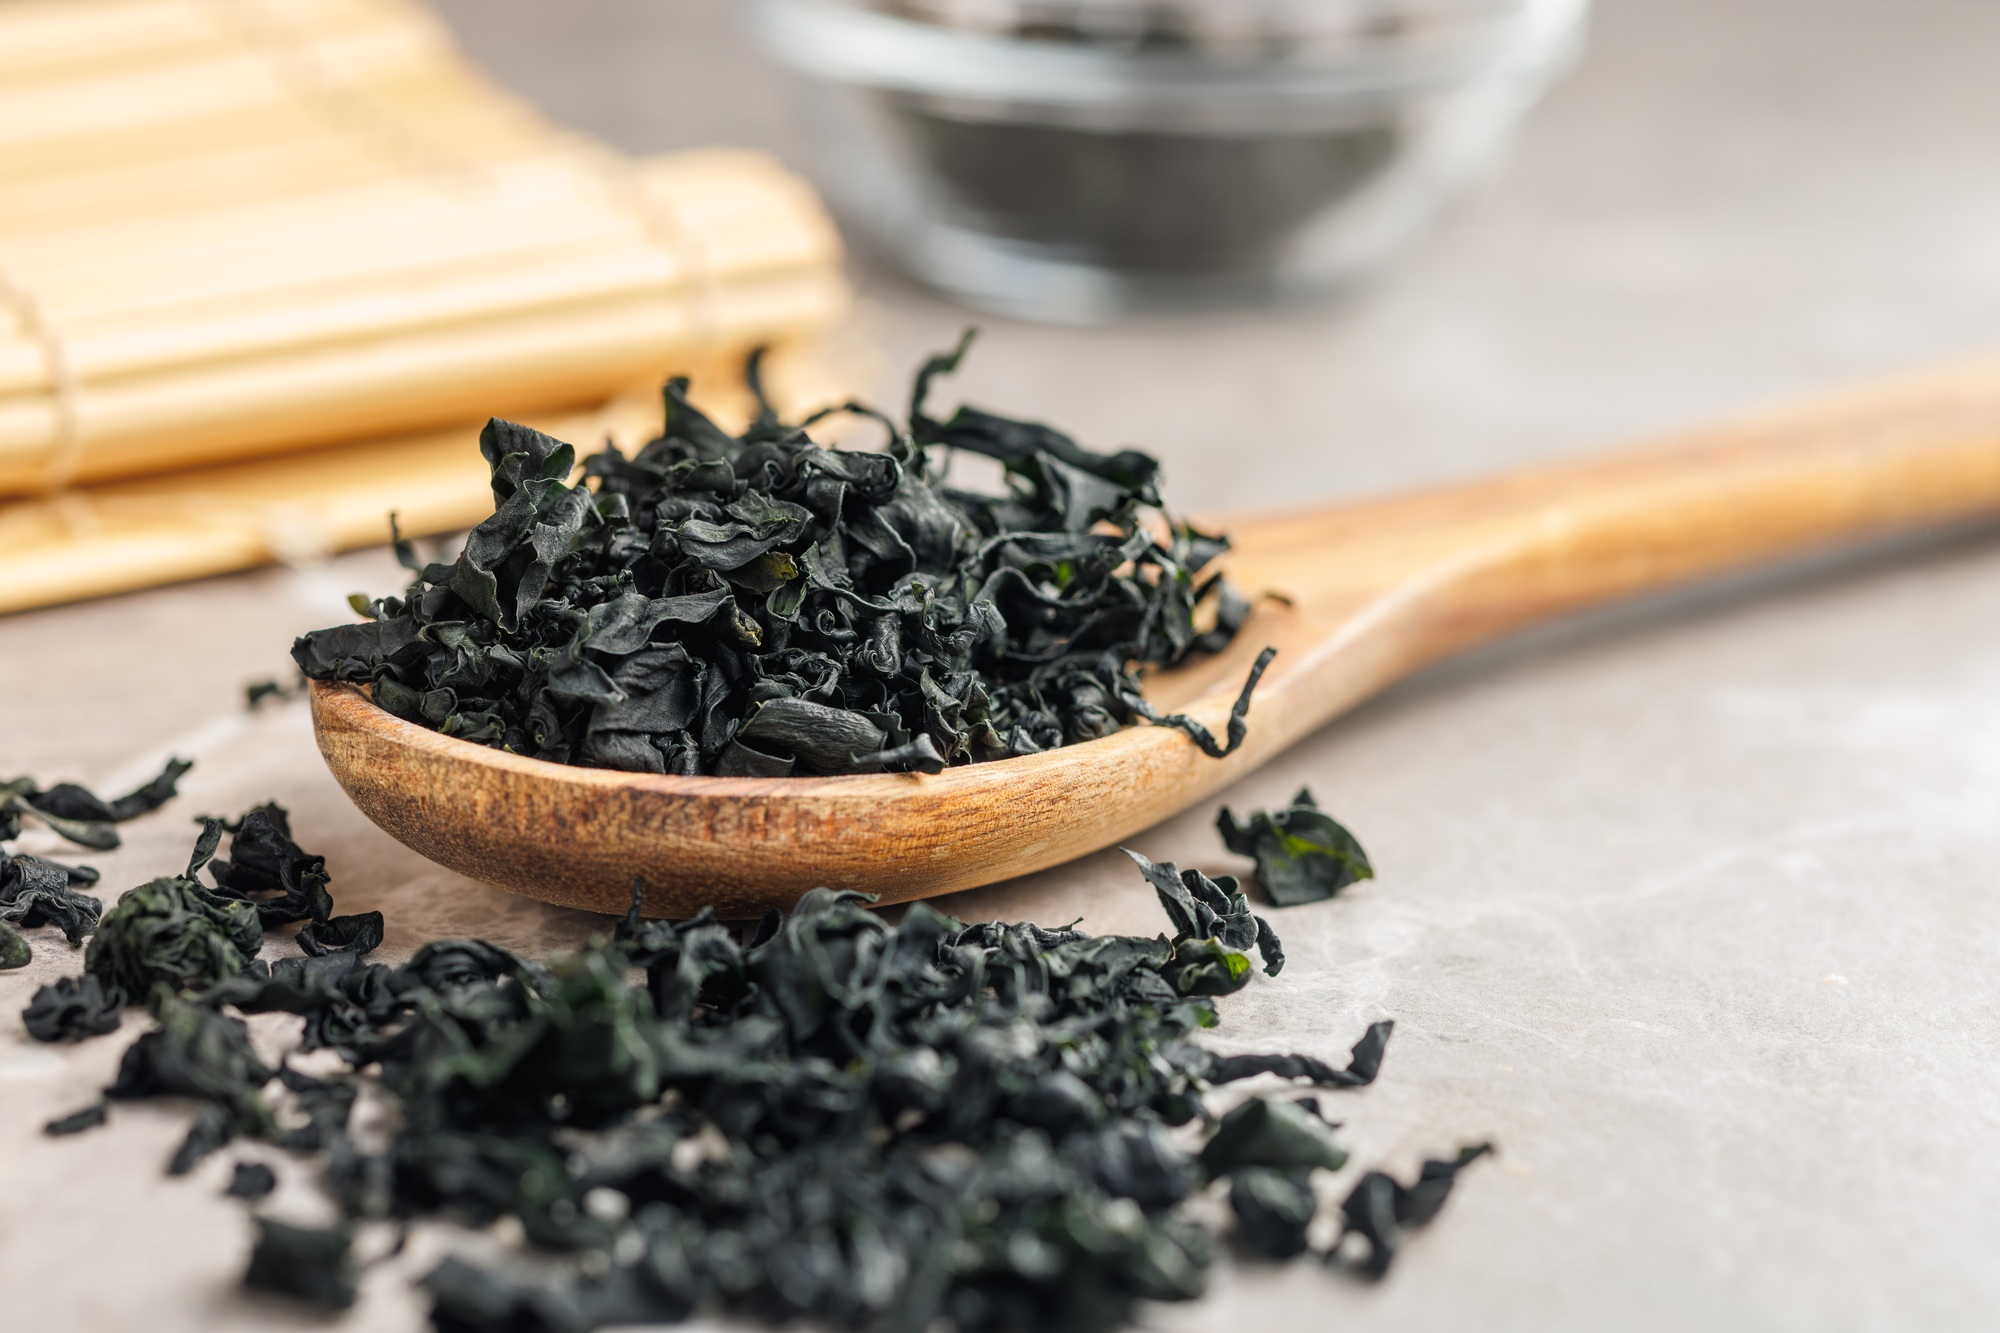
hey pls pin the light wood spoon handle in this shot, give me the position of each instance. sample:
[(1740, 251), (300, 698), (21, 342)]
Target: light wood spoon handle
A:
[(1376, 590)]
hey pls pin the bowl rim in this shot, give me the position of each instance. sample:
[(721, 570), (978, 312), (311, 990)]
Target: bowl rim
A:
[(844, 43)]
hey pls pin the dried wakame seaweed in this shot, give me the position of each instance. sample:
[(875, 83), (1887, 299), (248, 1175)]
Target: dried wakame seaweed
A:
[(1302, 853), (76, 1122), (251, 1180), (14, 951), (310, 1263), (80, 815), (72, 1008), (763, 606), (35, 891), (863, 1124), (1380, 1208), (184, 936)]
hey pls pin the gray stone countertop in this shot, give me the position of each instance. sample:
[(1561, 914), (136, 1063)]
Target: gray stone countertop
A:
[(1690, 906)]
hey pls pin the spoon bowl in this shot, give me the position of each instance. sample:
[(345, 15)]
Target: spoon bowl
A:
[(1360, 595)]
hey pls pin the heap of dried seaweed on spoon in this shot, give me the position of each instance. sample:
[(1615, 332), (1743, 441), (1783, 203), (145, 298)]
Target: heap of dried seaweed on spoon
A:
[(763, 606)]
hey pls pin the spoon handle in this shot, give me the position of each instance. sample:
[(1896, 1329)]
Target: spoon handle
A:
[(1922, 451)]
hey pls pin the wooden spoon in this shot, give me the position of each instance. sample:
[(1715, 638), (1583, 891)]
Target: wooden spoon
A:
[(1376, 590)]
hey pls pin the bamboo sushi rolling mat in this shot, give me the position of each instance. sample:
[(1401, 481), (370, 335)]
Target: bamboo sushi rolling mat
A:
[(266, 265)]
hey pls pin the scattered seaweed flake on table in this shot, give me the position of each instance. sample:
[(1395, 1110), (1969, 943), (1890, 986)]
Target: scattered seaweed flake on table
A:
[(765, 606), (36, 891), (14, 951), (872, 1125), (176, 936), (1303, 854)]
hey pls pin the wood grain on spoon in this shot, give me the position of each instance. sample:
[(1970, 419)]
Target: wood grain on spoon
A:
[(1377, 590)]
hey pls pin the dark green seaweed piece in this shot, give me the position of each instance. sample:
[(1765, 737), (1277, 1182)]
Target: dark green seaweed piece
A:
[(35, 891), (251, 1180), (38, 892), (1303, 855), (310, 1264), (763, 606), (265, 867), (466, 1299), (80, 815), (14, 951), (72, 1008), (1202, 908), (357, 934), (173, 933), (76, 1122), (923, 1120), (1363, 1064), (197, 1052), (256, 692), (1262, 1132), (1273, 1209), (1380, 1208)]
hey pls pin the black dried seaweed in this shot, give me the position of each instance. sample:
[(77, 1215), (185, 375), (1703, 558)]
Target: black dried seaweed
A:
[(763, 606), (1303, 854), (1263, 1132), (869, 1125), (76, 1122), (1201, 909), (35, 891), (1380, 1208), (310, 1264), (1273, 1209), (198, 1052), (1364, 1062), (179, 934), (38, 892), (14, 951), (257, 692), (265, 867), (175, 935), (72, 1008), (358, 934), (80, 815), (251, 1180)]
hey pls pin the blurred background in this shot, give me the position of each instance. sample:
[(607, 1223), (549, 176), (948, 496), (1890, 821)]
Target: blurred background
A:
[(265, 266), (1722, 202)]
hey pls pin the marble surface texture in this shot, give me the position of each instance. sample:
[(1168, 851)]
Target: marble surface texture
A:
[(1690, 906)]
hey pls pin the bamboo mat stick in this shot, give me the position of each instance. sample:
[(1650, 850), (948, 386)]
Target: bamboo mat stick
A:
[(439, 296), (471, 119), (128, 535), (555, 173), (240, 409), (396, 226), (242, 83), (751, 219), (597, 279), (761, 230), (50, 39), (274, 211), (770, 234), (318, 280), (435, 296)]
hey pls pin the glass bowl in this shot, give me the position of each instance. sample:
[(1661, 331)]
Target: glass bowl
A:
[(1078, 159)]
